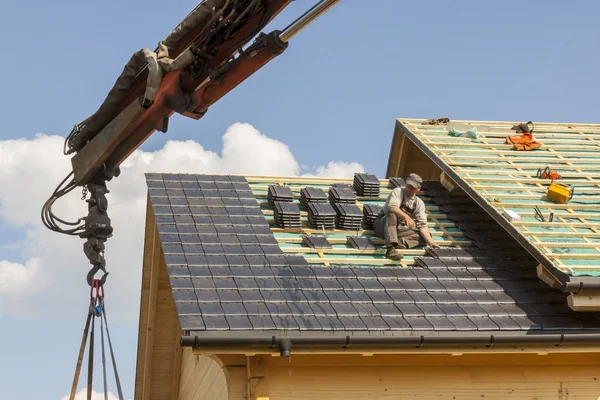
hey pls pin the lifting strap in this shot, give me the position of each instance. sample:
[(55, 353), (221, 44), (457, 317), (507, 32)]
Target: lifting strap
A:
[(96, 309)]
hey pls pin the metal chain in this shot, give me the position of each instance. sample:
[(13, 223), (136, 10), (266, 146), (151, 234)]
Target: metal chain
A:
[(84, 192)]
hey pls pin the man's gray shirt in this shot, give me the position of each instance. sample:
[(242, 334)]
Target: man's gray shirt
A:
[(413, 206)]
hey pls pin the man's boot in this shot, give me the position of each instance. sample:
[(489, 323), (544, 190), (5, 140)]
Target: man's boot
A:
[(394, 252)]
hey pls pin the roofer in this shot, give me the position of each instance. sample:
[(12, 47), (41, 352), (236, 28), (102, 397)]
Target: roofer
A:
[(402, 213)]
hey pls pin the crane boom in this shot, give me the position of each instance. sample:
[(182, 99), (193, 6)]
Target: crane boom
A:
[(202, 60)]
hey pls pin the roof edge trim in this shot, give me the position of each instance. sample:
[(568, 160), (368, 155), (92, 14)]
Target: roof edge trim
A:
[(341, 343)]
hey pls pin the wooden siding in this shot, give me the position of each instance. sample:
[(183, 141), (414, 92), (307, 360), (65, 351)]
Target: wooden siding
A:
[(159, 353), (406, 157), (202, 378), (501, 376)]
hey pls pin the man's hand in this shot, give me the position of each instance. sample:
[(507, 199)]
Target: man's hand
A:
[(433, 245), (409, 222)]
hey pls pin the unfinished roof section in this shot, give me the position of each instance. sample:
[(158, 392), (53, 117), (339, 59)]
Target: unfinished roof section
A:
[(500, 178), (234, 269)]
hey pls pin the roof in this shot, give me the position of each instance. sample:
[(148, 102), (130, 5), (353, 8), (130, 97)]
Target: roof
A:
[(500, 178), (233, 268)]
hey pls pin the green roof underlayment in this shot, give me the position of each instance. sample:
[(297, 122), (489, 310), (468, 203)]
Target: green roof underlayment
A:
[(500, 178)]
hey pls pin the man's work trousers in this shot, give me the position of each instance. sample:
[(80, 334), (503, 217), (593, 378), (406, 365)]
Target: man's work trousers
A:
[(389, 228)]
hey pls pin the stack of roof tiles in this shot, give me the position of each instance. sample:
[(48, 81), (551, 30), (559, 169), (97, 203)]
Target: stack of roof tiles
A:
[(366, 185), (342, 194), (312, 195), (279, 193), (397, 182), (321, 216), (343, 200), (370, 212), (287, 215), (349, 216)]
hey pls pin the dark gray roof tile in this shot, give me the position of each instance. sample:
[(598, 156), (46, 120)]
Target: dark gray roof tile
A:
[(273, 295), (308, 322), (181, 283), (255, 308), (187, 307), (462, 323), (330, 284), (483, 323), (192, 322), (215, 322), (238, 322), (234, 308), (366, 309), (229, 295), (178, 271), (285, 322), (316, 296), (412, 284), (418, 323), (345, 309), (391, 284), (251, 295), (410, 309), (372, 284), (387, 310), (379, 296), (337, 296), (352, 323), (358, 296), (330, 323), (442, 297), (351, 284), (375, 323), (400, 296), (225, 283), (279, 309), (441, 323), (397, 323), (421, 297), (210, 308), (203, 283), (261, 322), (184, 295), (431, 310)]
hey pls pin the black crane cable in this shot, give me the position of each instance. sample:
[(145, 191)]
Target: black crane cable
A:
[(50, 220)]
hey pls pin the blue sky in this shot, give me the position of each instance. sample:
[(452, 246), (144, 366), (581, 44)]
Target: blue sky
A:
[(333, 95)]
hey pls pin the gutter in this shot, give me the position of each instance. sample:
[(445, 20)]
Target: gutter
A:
[(578, 287), (284, 344)]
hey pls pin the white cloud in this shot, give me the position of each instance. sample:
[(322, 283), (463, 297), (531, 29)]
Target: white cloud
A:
[(82, 395), (54, 275), (339, 169)]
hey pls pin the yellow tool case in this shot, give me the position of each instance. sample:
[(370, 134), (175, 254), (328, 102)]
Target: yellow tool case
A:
[(559, 193)]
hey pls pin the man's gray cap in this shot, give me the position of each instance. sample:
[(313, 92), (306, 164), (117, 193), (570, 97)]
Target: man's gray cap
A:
[(414, 180)]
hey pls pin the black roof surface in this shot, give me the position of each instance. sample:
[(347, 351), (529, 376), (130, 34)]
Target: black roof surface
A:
[(228, 273)]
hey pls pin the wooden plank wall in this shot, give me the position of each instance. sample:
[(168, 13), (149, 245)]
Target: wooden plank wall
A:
[(202, 378), (500, 376), (406, 157), (159, 353)]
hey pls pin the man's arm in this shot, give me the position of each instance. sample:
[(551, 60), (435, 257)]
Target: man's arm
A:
[(427, 236), (421, 218), (401, 214)]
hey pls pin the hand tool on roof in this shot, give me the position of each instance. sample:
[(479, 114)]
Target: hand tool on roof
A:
[(539, 214), (547, 173)]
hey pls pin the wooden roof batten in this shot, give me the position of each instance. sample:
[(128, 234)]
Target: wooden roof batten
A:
[(499, 178)]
